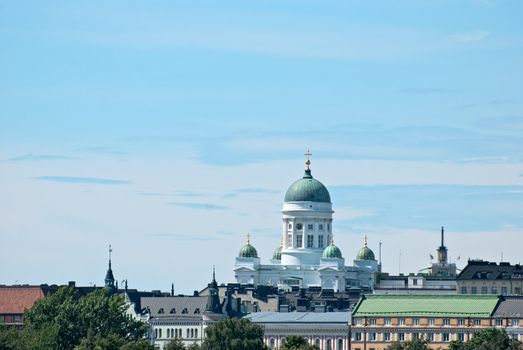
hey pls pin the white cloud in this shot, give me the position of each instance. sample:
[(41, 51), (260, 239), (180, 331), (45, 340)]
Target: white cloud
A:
[(472, 36)]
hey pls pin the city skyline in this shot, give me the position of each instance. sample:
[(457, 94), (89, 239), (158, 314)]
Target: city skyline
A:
[(172, 129)]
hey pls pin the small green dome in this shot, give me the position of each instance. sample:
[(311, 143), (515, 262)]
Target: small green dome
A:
[(248, 251), (307, 189), (332, 252), (277, 254), (365, 253)]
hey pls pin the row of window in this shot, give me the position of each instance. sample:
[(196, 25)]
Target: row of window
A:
[(328, 343), (430, 322), (176, 333), (18, 318), (299, 226), (431, 337), (310, 241)]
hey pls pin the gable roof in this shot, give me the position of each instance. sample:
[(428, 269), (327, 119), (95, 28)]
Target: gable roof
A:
[(177, 306), (485, 270), (510, 306), (426, 305), (299, 317), (16, 299)]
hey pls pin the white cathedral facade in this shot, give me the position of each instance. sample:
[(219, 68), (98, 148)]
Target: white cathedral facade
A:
[(307, 256)]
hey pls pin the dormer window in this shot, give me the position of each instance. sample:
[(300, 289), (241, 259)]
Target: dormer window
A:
[(161, 311), (197, 310), (173, 311), (184, 311)]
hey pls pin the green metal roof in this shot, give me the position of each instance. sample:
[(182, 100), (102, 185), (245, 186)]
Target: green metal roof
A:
[(365, 253), (248, 251), (332, 252), (307, 189), (277, 254), (426, 305)]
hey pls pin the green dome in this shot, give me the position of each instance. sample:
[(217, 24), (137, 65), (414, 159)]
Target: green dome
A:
[(307, 189), (365, 253), (332, 252), (277, 254), (248, 251)]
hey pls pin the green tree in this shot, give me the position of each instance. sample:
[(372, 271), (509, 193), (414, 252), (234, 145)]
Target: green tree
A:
[(175, 344), (234, 334), (295, 342), (492, 338), (64, 320)]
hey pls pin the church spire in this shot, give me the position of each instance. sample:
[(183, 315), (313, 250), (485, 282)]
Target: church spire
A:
[(109, 277)]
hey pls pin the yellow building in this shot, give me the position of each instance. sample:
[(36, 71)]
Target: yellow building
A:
[(379, 320)]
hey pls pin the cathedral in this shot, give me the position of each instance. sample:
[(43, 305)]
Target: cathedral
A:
[(307, 256)]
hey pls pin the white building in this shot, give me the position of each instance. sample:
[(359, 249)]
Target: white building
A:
[(307, 255), (326, 330)]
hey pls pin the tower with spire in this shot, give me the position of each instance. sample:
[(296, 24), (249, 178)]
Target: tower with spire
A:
[(213, 309), (109, 277), (443, 267)]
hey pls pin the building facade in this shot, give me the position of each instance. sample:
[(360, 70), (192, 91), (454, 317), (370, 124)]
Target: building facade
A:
[(307, 255), (379, 320), (327, 330), (484, 277)]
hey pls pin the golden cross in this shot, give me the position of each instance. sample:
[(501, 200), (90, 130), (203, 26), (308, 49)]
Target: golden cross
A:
[(248, 238), (308, 154), (365, 240)]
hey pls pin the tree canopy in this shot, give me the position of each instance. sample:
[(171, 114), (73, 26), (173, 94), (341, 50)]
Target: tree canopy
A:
[(295, 342), (413, 344), (234, 334), (66, 321), (488, 339)]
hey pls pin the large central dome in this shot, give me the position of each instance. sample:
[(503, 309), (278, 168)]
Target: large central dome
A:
[(307, 189)]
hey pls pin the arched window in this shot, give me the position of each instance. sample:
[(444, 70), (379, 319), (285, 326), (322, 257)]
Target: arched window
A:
[(196, 333), (168, 332), (156, 333), (317, 342), (160, 333), (272, 343), (172, 333), (187, 333), (340, 344), (329, 344), (192, 333)]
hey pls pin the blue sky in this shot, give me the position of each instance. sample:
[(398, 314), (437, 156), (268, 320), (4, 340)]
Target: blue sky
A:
[(172, 127)]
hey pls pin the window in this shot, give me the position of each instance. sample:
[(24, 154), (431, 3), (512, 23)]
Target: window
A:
[(504, 290), (401, 321), (168, 332), (415, 335), (494, 290), (372, 336), (310, 227), (197, 310), (386, 336), (290, 226), (320, 241), (477, 322), (329, 344), (156, 333), (310, 241), (320, 226), (340, 344), (372, 321), (461, 336), (187, 333), (161, 311), (299, 226), (446, 321), (272, 343), (196, 332), (415, 281), (464, 290), (358, 322), (445, 337), (357, 336), (484, 290), (499, 322), (184, 311), (317, 342), (461, 322), (473, 290), (515, 322), (430, 337), (159, 333), (192, 333), (401, 336), (415, 321), (431, 322), (387, 322), (328, 227), (299, 241)]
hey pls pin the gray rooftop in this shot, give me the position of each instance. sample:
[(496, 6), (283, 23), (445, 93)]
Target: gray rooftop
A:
[(299, 317), (177, 306), (509, 307)]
